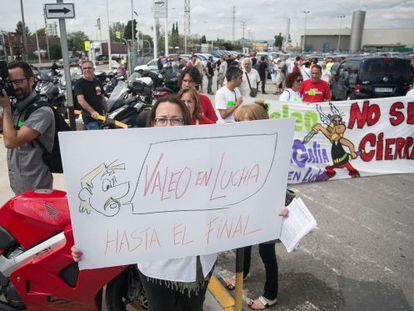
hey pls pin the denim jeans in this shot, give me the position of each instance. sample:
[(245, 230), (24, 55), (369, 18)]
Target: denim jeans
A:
[(93, 125)]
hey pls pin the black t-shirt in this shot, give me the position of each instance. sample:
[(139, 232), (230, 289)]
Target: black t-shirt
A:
[(210, 68), (92, 91), (262, 69)]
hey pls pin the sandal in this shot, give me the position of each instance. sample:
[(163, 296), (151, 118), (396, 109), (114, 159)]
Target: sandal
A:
[(261, 303), (230, 284)]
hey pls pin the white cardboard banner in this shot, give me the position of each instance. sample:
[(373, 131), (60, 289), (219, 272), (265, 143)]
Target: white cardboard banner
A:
[(379, 130), (145, 194)]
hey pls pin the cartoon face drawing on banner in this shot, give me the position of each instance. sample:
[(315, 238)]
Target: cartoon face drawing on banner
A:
[(101, 190), (334, 131)]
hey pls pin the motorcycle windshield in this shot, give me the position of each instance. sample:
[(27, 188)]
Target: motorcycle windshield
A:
[(117, 96), (45, 75), (134, 77)]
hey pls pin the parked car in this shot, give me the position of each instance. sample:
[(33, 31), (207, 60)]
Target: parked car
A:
[(102, 57), (151, 65), (73, 61), (371, 77)]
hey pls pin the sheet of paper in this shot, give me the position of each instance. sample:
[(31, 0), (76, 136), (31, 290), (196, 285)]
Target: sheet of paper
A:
[(297, 225)]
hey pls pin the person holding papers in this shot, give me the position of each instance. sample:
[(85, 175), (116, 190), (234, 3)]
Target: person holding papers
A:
[(251, 112), (172, 284)]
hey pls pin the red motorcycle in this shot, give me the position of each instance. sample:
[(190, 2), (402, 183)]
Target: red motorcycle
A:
[(37, 271)]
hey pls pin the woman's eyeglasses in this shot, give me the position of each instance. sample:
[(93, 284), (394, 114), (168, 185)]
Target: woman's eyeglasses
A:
[(299, 80), (161, 121)]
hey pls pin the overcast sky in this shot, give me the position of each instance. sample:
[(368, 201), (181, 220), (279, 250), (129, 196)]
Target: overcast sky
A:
[(213, 18)]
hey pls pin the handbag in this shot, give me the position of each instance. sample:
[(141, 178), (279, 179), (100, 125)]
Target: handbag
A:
[(253, 90)]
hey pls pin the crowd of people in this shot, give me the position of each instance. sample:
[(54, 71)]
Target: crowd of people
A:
[(178, 284), (163, 280)]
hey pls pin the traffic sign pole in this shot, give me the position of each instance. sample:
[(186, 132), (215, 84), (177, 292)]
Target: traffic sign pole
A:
[(65, 56)]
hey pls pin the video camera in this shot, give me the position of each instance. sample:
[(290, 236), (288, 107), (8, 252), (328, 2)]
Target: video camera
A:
[(5, 83)]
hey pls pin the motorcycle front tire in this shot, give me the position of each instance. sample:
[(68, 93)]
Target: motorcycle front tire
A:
[(6, 307)]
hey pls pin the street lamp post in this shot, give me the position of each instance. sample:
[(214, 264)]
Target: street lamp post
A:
[(24, 33), (4, 47), (109, 37), (339, 32), (132, 60), (304, 32)]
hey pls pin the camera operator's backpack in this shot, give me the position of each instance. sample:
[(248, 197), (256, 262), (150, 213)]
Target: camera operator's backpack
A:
[(52, 159)]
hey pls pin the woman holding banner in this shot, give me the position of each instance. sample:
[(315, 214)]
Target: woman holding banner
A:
[(173, 284)]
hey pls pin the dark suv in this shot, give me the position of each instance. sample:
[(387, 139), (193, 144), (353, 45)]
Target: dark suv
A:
[(371, 77)]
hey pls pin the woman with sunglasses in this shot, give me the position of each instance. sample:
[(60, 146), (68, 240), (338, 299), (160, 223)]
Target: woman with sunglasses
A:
[(292, 84), (180, 283), (190, 98)]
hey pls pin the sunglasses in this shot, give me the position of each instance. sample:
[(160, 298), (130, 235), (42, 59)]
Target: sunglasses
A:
[(299, 80)]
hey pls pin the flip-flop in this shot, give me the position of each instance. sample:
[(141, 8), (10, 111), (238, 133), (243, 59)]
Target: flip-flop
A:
[(266, 303), (229, 284)]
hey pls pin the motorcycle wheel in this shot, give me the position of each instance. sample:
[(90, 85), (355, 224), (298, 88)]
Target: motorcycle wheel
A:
[(6, 307), (126, 292)]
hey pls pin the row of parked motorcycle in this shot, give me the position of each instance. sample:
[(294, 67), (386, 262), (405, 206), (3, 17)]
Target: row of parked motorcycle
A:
[(128, 99)]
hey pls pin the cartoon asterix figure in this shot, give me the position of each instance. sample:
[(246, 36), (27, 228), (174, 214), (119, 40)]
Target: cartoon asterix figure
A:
[(334, 131)]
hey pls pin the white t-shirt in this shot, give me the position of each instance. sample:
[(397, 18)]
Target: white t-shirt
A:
[(254, 78), (177, 269), (326, 75), (305, 72), (225, 99), (410, 93), (290, 96), (223, 68)]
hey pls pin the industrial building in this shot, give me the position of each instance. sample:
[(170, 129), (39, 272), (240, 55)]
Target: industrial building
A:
[(357, 38)]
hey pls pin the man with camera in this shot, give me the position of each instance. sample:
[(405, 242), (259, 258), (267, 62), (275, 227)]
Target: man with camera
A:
[(25, 133)]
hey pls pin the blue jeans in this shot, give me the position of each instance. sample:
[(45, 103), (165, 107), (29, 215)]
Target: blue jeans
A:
[(93, 125)]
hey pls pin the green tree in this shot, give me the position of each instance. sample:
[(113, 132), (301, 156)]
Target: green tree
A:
[(147, 42), (55, 51), (203, 39), (19, 29), (41, 32), (175, 36), (75, 41), (117, 27), (127, 30), (278, 41)]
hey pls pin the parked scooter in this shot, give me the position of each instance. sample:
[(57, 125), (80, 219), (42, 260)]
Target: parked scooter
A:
[(131, 101), (36, 268), (47, 85)]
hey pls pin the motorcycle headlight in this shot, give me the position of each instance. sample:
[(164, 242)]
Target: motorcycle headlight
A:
[(138, 105)]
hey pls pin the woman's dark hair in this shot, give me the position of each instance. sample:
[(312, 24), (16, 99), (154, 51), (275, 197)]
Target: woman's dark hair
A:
[(171, 99), (290, 78), (194, 74), (28, 72)]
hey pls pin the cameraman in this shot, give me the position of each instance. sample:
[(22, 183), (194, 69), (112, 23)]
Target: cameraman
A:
[(20, 132)]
